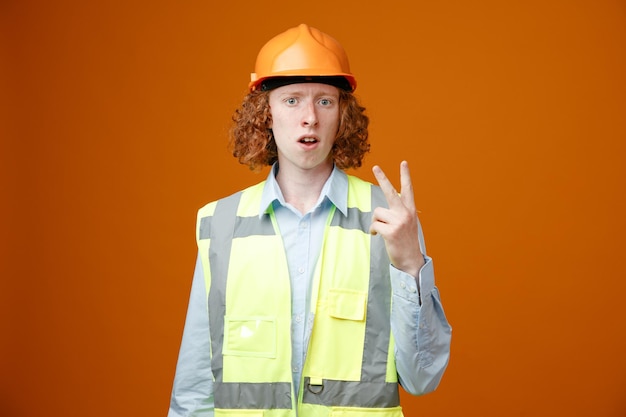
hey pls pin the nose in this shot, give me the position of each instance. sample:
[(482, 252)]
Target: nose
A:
[(309, 117)]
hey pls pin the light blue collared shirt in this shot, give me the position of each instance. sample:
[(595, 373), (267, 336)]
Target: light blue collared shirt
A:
[(418, 323)]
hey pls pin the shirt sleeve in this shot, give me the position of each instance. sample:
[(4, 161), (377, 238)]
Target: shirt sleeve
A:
[(420, 329), (192, 393)]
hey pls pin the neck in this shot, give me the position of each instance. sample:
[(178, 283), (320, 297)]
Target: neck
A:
[(302, 188)]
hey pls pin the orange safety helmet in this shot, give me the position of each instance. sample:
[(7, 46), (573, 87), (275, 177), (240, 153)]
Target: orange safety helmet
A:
[(302, 54)]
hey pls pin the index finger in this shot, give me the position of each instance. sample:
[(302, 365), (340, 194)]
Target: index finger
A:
[(391, 195), (406, 190)]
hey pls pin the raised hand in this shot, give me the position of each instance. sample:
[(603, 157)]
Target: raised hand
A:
[(398, 223)]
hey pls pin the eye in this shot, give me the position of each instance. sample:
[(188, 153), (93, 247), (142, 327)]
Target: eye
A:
[(291, 101), (325, 102)]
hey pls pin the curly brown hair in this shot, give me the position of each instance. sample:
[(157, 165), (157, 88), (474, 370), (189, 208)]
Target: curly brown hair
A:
[(252, 141)]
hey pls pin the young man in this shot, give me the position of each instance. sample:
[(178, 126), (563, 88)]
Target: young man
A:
[(313, 295)]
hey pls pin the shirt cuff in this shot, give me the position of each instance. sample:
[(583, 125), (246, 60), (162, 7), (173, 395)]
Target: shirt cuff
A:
[(407, 287)]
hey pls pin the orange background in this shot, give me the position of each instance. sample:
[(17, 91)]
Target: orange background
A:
[(512, 115)]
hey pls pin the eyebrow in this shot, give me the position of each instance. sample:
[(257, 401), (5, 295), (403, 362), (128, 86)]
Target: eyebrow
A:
[(299, 92)]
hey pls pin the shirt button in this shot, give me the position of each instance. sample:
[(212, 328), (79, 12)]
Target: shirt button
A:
[(301, 270), (402, 284), (295, 369), (298, 318), (413, 289)]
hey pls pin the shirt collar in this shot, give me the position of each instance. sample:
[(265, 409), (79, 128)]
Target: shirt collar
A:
[(335, 190)]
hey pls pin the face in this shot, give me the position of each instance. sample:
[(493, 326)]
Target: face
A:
[(305, 120)]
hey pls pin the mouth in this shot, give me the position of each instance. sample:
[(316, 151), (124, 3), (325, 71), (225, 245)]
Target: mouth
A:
[(308, 140)]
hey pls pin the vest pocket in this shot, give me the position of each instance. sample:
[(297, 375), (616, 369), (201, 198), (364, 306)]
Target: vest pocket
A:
[(346, 304), (337, 340), (250, 336)]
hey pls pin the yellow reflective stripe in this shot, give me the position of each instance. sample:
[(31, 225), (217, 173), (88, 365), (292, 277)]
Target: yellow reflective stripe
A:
[(276, 412), (336, 343), (348, 345), (361, 412), (392, 373), (315, 286), (359, 194), (241, 245), (250, 200), (250, 294)]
